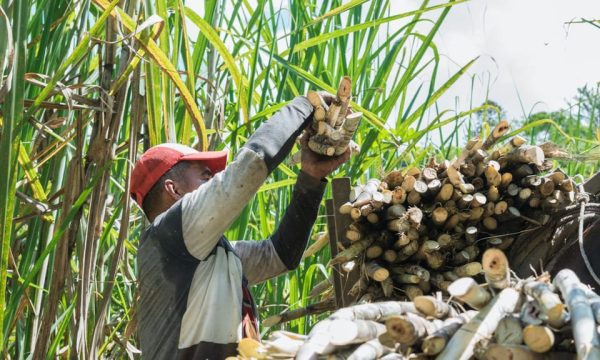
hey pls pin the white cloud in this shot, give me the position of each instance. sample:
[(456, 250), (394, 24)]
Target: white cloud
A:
[(527, 47)]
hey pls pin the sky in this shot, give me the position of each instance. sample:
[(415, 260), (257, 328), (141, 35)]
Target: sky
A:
[(530, 57)]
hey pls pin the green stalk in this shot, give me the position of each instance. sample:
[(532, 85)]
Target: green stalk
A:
[(9, 144)]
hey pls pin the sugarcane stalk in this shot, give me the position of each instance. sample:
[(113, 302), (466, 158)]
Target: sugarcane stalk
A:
[(376, 272), (320, 112), (393, 356), (345, 332), (467, 290), (439, 216), (499, 130), (394, 179), (461, 257), (395, 211), (413, 171), (435, 343), (347, 131), (539, 339), (371, 349), (410, 328), (433, 307), (400, 225), (470, 269), (471, 147), (506, 179), (322, 239), (471, 234), (320, 288), (413, 198), (339, 106), (375, 311), (445, 192), (406, 278), (495, 269), (412, 291), (285, 342), (501, 351), (353, 250), (408, 184), (427, 247), (492, 174), (390, 256), (319, 144), (326, 130), (373, 251), (522, 171), (490, 223), (509, 331), (439, 282), (318, 341), (582, 319), (387, 286), (251, 349), (289, 315), (553, 310), (409, 249), (483, 325), (526, 154)]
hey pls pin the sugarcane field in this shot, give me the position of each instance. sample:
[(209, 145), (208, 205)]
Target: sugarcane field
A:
[(277, 179)]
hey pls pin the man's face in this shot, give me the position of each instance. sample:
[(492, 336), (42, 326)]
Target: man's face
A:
[(194, 175)]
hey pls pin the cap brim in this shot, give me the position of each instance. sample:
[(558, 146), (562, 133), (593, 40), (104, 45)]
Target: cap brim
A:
[(215, 160)]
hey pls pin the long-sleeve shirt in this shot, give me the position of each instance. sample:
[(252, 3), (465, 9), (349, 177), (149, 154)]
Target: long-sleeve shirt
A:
[(192, 278)]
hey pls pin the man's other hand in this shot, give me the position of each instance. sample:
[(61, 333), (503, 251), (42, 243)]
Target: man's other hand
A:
[(319, 166)]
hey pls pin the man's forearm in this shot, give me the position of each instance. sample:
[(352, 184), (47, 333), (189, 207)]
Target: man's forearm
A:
[(275, 138), (293, 232)]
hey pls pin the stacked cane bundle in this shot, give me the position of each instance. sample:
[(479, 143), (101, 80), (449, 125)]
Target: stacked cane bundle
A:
[(510, 319), (333, 126), (420, 229)]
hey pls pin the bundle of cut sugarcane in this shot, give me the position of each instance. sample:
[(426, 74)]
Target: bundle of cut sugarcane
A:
[(333, 125), (419, 229), (510, 318)]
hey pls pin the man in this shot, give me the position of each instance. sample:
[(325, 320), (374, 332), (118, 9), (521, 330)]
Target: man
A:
[(194, 298)]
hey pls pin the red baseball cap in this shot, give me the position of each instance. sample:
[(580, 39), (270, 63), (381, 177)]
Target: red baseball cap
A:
[(157, 160)]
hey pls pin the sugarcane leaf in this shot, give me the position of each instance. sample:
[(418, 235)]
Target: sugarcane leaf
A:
[(9, 144), (38, 191), (6, 54), (215, 41), (80, 51), (139, 55), (371, 117), (277, 185), (436, 95), (373, 23), (336, 11), (60, 230), (165, 64), (189, 67)]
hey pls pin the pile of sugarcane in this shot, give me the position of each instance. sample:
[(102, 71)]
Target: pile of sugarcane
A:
[(333, 124), (509, 318), (418, 230)]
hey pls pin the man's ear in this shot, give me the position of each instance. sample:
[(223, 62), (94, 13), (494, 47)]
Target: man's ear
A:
[(172, 189)]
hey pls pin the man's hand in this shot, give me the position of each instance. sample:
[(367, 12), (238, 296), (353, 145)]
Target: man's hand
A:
[(319, 166)]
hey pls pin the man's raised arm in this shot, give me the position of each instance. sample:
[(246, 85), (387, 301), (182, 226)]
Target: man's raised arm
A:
[(209, 210), (283, 250)]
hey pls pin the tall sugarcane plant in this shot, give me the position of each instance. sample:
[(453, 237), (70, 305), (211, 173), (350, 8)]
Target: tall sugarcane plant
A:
[(86, 86)]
